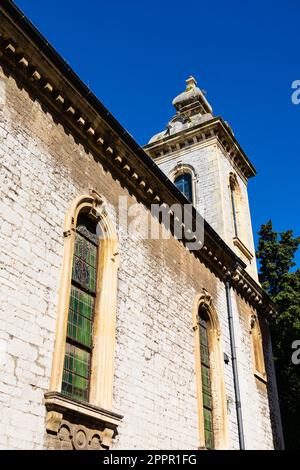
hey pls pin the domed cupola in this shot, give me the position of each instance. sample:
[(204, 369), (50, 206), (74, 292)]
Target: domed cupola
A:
[(192, 108), (192, 99)]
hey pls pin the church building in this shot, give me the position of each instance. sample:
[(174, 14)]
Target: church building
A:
[(111, 337)]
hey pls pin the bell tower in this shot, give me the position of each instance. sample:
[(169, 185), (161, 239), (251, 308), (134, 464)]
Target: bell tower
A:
[(200, 154)]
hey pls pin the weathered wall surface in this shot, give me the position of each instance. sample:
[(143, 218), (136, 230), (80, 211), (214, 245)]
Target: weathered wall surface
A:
[(42, 170)]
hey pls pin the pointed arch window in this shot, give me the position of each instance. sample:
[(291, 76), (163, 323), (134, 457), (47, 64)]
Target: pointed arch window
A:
[(183, 182)]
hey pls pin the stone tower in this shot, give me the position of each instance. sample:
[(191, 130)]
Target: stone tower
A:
[(201, 155)]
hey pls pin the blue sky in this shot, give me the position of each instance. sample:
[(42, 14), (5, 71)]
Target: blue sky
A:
[(136, 55)]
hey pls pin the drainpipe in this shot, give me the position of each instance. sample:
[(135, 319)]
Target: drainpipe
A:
[(234, 366)]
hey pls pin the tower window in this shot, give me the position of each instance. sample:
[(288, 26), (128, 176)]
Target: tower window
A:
[(183, 182)]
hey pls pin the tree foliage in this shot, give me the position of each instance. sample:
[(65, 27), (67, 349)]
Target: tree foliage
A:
[(276, 253)]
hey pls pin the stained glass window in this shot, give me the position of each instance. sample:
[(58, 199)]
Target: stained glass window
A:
[(184, 184), (206, 380), (79, 342)]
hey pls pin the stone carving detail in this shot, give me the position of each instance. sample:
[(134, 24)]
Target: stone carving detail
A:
[(78, 437), (253, 320), (98, 209), (205, 299), (53, 421), (95, 442), (80, 440), (64, 438)]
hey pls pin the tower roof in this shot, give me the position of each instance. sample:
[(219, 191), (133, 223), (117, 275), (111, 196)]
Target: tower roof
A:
[(192, 108), (192, 97)]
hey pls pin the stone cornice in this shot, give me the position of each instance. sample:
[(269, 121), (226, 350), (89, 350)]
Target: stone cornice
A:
[(55, 401), (214, 128), (38, 67), (252, 292)]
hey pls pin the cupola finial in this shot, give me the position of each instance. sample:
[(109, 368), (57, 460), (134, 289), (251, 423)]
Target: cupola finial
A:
[(191, 83)]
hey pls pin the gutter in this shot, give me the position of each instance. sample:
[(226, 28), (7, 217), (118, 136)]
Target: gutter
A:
[(234, 366)]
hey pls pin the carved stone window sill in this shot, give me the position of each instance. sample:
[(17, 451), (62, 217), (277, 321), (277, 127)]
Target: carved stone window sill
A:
[(242, 248), (71, 424)]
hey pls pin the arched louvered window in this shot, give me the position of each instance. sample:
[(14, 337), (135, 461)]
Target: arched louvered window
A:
[(206, 379), (183, 182), (79, 341)]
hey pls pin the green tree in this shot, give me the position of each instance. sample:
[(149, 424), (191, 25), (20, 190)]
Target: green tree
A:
[(276, 253)]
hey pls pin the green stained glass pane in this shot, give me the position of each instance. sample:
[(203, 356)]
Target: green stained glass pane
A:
[(77, 360), (207, 419), (80, 329), (80, 316), (204, 355), (205, 376), (207, 401), (82, 302), (209, 439), (203, 335), (76, 372)]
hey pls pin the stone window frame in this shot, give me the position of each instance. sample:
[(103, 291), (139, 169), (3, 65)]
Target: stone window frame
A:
[(238, 216), (98, 410), (181, 169), (220, 422), (257, 348)]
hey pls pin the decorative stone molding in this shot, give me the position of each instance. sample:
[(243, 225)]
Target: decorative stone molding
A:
[(53, 421), (96, 430), (253, 320)]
